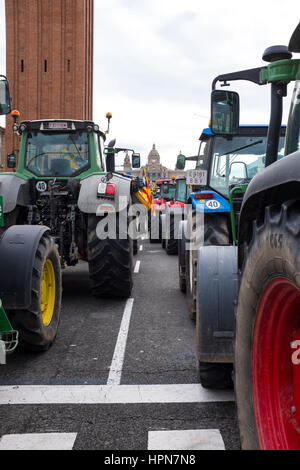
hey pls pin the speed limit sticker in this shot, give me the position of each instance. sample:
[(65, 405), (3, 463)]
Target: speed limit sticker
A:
[(213, 204), (41, 186)]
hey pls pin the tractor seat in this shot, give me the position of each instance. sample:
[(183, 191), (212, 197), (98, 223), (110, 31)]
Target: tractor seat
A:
[(61, 167)]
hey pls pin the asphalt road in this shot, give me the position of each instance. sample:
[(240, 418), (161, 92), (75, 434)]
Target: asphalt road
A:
[(121, 375)]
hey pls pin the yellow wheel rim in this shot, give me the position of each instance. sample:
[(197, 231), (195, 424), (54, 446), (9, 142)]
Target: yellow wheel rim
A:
[(48, 293)]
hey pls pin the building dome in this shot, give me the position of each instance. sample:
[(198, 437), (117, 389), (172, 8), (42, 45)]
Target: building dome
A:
[(153, 156)]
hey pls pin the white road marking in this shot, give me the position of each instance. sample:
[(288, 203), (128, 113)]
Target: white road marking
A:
[(116, 394), (195, 439), (2, 353), (44, 441), (141, 248), (137, 267), (115, 373)]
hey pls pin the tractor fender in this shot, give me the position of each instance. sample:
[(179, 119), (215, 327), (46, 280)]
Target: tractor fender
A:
[(273, 185), (216, 203), (18, 247), (89, 203), (217, 284), (15, 191)]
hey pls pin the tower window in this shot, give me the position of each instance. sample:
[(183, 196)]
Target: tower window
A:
[(22, 65), (45, 65), (69, 65)]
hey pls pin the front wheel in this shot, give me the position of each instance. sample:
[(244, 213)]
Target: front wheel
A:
[(267, 365), (38, 324)]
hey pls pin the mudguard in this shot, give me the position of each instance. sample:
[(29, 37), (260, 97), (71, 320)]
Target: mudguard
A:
[(88, 201), (270, 186), (18, 247), (217, 284), (15, 191), (215, 204)]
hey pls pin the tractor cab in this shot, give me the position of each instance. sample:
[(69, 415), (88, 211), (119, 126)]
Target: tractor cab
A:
[(59, 148), (56, 148), (182, 193), (165, 189)]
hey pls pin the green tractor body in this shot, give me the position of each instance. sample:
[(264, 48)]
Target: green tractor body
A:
[(267, 319), (63, 197), (8, 336)]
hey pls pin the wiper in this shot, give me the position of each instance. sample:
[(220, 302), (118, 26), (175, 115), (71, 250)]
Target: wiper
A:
[(36, 156), (242, 148)]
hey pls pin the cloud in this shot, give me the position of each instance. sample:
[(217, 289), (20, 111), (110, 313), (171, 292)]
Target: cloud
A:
[(154, 62)]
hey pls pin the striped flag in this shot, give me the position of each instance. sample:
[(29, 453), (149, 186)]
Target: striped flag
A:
[(146, 189)]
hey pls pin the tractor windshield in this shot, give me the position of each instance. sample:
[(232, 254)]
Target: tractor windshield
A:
[(57, 154), (167, 191), (238, 160), (182, 191), (293, 132)]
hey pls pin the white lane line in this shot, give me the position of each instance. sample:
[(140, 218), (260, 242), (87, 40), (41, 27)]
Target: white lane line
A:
[(44, 441), (195, 439), (103, 394), (115, 372), (141, 248), (137, 267)]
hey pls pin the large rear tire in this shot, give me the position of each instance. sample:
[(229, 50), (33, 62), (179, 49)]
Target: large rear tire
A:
[(171, 242), (212, 375), (155, 235), (215, 233), (267, 374), (38, 324), (110, 262)]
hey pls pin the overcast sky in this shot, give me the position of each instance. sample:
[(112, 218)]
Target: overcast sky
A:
[(155, 61)]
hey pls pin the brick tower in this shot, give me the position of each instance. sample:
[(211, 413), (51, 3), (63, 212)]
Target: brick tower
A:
[(49, 60)]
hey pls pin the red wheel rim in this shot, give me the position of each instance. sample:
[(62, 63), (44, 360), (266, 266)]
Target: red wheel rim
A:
[(275, 372)]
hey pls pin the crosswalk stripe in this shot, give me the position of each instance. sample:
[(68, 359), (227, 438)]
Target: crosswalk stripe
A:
[(195, 439), (101, 394), (42, 441)]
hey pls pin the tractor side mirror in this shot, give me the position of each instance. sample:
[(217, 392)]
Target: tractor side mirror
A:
[(109, 151), (110, 162), (11, 160), (225, 112), (180, 164), (4, 96), (136, 160)]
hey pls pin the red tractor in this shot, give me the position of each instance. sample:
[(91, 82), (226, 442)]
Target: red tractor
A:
[(164, 194), (173, 215)]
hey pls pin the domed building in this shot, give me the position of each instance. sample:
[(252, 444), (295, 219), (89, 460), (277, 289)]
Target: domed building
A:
[(154, 168)]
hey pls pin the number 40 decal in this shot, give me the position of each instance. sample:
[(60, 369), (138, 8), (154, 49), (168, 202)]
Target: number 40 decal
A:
[(213, 204)]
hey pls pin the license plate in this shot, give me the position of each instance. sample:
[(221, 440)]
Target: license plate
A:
[(196, 177), (57, 125)]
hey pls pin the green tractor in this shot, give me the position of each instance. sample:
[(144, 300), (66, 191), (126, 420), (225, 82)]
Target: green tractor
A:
[(267, 365), (8, 336), (65, 190)]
